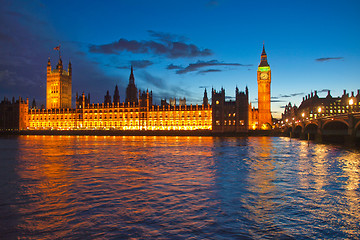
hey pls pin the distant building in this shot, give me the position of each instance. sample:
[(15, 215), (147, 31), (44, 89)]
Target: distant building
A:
[(13, 114), (163, 103), (182, 101), (313, 106), (230, 116), (82, 101), (172, 102)]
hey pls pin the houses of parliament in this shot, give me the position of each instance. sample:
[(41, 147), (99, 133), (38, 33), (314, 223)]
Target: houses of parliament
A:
[(137, 111)]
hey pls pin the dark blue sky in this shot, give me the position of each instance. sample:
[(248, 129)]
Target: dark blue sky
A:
[(179, 47)]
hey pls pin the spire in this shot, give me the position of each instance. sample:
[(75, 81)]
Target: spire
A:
[(131, 78), (49, 63), (263, 51), (205, 98), (263, 62), (116, 98), (107, 98), (70, 68), (131, 90), (60, 64)]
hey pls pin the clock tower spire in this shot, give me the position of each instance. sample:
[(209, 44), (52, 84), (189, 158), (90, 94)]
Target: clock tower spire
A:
[(264, 96)]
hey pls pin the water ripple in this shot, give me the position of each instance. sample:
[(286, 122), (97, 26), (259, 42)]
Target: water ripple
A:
[(88, 187)]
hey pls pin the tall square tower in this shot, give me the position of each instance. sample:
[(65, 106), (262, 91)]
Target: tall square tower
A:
[(264, 93), (58, 86)]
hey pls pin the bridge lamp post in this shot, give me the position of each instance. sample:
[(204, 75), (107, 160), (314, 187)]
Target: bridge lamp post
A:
[(319, 111), (351, 102)]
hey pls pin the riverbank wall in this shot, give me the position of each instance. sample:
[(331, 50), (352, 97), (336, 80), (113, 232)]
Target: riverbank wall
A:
[(141, 133)]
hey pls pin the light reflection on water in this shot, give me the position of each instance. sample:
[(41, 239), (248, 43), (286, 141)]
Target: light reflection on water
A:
[(176, 187)]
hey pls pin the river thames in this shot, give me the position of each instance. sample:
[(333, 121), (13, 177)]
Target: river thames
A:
[(96, 187)]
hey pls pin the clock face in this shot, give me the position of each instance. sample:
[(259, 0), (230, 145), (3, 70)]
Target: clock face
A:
[(264, 76)]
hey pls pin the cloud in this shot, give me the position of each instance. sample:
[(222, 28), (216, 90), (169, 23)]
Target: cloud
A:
[(167, 45), (209, 71), (277, 101), (137, 64), (193, 67), (172, 66), (289, 95), (141, 63), (328, 59), (167, 37), (323, 90), (25, 17), (155, 81), (203, 86), (7, 77), (164, 89)]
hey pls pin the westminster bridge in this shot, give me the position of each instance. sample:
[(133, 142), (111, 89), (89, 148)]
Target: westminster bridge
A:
[(341, 128)]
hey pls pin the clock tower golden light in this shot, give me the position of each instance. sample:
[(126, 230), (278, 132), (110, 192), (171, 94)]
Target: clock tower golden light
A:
[(264, 96)]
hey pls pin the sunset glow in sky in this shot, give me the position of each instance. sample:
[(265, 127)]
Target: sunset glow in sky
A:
[(178, 48)]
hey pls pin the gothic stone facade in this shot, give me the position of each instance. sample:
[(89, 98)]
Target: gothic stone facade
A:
[(137, 112)]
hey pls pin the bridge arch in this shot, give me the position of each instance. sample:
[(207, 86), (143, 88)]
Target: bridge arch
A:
[(357, 125), (311, 130), (336, 122), (311, 123), (357, 131), (335, 131), (297, 131), (288, 130)]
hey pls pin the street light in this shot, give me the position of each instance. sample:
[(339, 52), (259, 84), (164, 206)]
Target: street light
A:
[(351, 101)]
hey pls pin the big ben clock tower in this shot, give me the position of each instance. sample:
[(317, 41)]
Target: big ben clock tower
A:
[(264, 82)]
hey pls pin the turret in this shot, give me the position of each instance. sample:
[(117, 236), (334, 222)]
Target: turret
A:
[(83, 100), (107, 98), (116, 98), (48, 68), (132, 78), (69, 68), (59, 66), (205, 98), (33, 105), (131, 90), (328, 95)]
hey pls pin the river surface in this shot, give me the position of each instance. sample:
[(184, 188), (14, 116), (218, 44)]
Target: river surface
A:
[(92, 187)]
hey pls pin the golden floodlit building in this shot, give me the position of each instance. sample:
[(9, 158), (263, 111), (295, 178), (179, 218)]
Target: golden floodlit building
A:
[(137, 111)]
